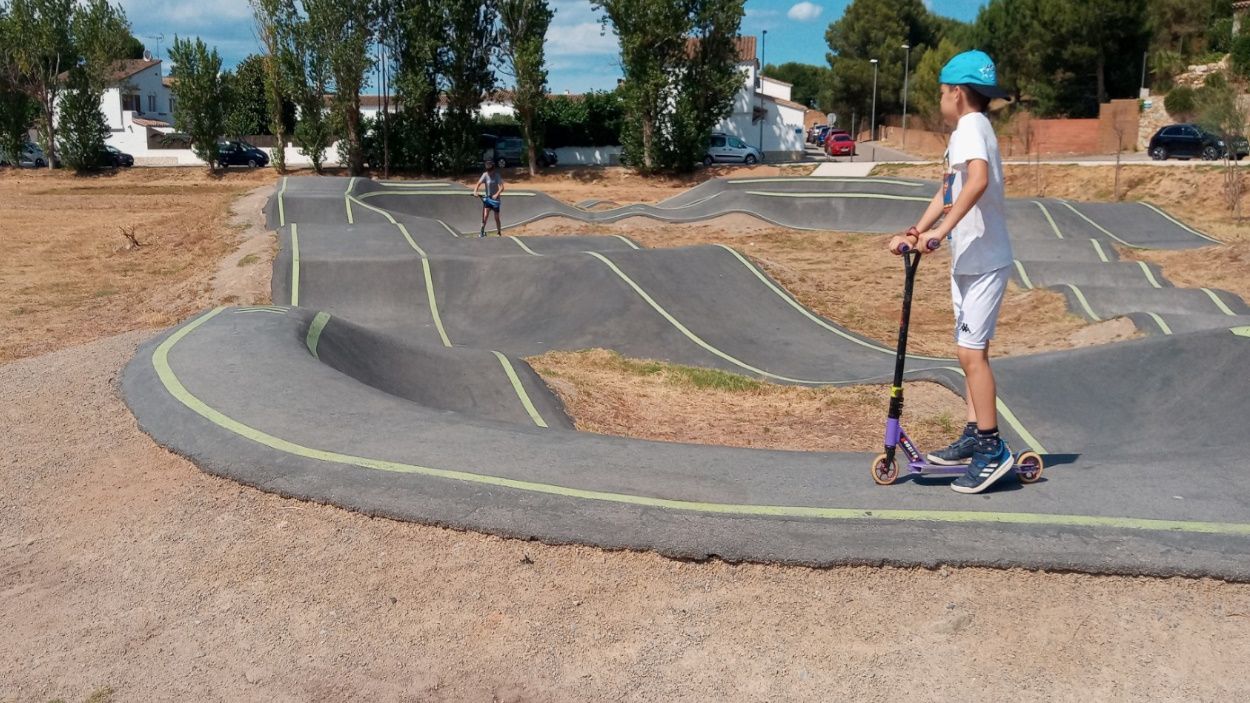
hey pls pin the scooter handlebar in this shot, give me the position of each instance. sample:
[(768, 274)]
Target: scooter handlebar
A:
[(931, 246)]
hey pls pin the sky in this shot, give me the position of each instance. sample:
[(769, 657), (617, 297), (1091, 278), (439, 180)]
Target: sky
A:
[(581, 54)]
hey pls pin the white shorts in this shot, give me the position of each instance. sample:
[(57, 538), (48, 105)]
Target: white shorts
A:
[(977, 298)]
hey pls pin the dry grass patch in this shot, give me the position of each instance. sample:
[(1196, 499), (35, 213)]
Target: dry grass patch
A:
[(852, 280), (610, 394), (70, 275)]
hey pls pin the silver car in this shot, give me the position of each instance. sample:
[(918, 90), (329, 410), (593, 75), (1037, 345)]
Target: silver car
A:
[(727, 148), (30, 157)]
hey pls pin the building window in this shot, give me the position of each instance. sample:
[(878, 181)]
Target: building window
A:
[(131, 102), (171, 105), (152, 103)]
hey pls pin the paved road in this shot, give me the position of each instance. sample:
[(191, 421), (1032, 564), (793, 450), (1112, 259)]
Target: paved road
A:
[(388, 377)]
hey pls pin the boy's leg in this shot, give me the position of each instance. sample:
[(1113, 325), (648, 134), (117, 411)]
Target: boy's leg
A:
[(498, 227), (485, 214), (981, 297), (960, 451)]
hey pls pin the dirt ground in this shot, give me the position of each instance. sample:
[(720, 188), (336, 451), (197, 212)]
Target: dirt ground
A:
[(852, 280), (126, 574), (69, 275), (608, 394), (1193, 194)]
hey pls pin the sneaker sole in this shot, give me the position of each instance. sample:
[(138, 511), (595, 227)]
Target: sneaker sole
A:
[(938, 461), (994, 477)]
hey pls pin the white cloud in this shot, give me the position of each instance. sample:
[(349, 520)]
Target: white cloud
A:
[(805, 11), (580, 39)]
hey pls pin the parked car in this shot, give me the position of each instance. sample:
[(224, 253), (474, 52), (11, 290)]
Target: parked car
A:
[(812, 134), (727, 148), (826, 143), (238, 153), (821, 133), (116, 158), (840, 144), (510, 151), (31, 156), (1187, 141)]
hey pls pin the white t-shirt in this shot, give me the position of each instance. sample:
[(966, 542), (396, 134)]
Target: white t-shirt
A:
[(979, 243), (493, 182)]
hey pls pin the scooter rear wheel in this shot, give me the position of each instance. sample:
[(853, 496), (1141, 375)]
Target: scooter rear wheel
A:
[(1029, 467), (884, 472)]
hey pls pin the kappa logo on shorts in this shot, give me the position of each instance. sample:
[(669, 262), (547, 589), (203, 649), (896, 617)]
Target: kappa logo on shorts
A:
[(965, 328)]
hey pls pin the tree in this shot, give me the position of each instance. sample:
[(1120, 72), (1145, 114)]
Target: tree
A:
[(346, 27), (877, 29), (707, 83), (83, 129), (275, 25), (523, 28), (926, 94), (44, 51), (248, 111), (653, 43), (1221, 112), (468, 29), (200, 94), (17, 109), (812, 85), (306, 70), (416, 32)]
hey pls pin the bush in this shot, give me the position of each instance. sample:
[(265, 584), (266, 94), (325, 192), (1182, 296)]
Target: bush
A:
[(593, 119), (1240, 56), (1180, 102)]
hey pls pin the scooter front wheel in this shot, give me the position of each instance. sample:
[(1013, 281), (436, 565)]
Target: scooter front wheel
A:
[(1029, 467), (884, 471)]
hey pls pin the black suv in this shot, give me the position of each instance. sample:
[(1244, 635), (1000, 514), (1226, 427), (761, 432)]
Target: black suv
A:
[(510, 151), (1188, 141), (240, 154)]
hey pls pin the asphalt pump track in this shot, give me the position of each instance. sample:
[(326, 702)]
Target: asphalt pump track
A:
[(388, 378)]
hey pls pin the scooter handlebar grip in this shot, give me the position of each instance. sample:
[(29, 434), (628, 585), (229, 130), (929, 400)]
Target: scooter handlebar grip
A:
[(903, 249), (934, 244)]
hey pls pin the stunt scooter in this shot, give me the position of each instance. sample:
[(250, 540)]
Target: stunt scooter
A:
[(885, 471)]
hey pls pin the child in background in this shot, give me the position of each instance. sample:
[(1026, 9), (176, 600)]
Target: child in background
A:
[(493, 181)]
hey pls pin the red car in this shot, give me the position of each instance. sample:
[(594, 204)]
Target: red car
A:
[(840, 144)]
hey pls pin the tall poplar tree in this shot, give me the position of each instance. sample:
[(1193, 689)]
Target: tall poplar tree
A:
[(523, 29)]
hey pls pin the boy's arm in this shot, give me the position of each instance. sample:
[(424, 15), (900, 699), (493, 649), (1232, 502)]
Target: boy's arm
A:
[(977, 180), (477, 186), (930, 218), (501, 188)]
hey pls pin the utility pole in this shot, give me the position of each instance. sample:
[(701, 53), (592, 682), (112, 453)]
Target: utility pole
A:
[(1142, 94), (872, 135), (906, 72), (760, 83)]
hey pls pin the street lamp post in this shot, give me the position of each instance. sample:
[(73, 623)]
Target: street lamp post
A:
[(872, 124), (760, 82), (906, 72)]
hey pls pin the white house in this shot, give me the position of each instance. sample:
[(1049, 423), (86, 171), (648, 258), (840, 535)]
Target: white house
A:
[(763, 114)]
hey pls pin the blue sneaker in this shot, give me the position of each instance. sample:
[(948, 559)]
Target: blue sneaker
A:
[(991, 460), (959, 453)]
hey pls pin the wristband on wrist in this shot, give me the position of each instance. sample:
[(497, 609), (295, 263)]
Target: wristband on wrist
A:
[(913, 232)]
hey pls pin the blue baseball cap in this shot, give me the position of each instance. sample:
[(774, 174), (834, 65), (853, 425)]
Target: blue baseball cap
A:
[(974, 69)]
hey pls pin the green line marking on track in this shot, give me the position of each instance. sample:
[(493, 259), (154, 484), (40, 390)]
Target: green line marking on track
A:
[(413, 184), (505, 194), (1219, 303), (1240, 331), (256, 310), (627, 240), (1150, 276), (347, 199), (173, 385), (294, 264), (402, 229), (1084, 303), (846, 196), (429, 293), (1098, 248), (520, 389), (314, 332), (1011, 419), (266, 308), (1051, 220), (828, 179), (522, 245), (1023, 276), (450, 231), (691, 335), (808, 313), (1180, 224), (1099, 227), (1159, 321), (281, 208)]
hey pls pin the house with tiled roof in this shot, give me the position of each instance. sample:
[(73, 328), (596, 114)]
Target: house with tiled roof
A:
[(763, 114)]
